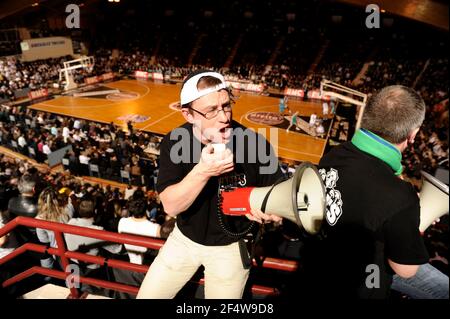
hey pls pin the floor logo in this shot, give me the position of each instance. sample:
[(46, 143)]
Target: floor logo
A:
[(266, 118), (135, 118), (122, 96), (283, 122)]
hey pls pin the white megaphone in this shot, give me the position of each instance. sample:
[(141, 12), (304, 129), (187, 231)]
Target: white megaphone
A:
[(433, 200), (300, 199)]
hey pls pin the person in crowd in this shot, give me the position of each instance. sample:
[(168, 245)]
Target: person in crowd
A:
[(371, 240), (188, 190), (138, 224), (50, 208)]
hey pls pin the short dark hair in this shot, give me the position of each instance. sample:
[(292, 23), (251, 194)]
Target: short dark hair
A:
[(138, 193), (393, 113), (137, 207), (86, 208)]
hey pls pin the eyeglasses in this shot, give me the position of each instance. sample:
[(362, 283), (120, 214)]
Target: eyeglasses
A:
[(213, 113)]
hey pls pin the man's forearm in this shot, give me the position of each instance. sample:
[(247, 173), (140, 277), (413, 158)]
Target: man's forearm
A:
[(179, 197), (405, 271)]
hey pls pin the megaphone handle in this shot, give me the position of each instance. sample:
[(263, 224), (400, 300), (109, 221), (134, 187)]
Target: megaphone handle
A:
[(266, 198), (222, 223)]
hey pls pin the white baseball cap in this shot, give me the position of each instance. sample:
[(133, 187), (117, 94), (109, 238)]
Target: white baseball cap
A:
[(189, 91)]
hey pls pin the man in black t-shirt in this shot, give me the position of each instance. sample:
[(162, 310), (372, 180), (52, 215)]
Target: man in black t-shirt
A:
[(192, 170), (372, 215)]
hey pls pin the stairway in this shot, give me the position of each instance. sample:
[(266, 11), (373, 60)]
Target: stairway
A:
[(157, 46), (319, 57), (233, 52), (276, 51), (357, 80), (50, 291), (421, 73), (195, 49)]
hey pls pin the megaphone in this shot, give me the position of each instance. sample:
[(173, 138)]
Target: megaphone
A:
[(433, 200), (300, 199)]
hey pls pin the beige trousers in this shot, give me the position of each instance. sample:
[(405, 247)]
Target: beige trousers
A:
[(179, 259)]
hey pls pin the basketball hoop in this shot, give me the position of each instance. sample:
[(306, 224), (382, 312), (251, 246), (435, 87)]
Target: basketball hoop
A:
[(85, 63), (338, 91)]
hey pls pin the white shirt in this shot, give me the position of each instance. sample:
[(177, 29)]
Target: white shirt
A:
[(48, 236), (76, 137), (129, 192), (320, 129), (76, 124), (4, 251), (325, 108), (312, 119), (65, 131), (21, 141), (74, 241), (129, 225), (84, 159), (46, 149)]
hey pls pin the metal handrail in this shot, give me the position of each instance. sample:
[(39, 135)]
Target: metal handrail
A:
[(61, 251)]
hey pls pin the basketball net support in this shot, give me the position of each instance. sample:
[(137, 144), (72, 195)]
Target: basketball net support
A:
[(333, 89), (85, 62)]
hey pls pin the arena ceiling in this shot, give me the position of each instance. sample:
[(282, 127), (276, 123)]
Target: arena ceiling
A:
[(12, 7), (433, 12)]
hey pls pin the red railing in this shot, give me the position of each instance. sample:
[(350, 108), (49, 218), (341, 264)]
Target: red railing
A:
[(64, 254)]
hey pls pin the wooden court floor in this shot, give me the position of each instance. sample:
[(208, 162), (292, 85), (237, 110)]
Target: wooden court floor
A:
[(149, 103)]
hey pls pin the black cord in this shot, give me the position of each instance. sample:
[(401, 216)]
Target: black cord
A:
[(220, 214)]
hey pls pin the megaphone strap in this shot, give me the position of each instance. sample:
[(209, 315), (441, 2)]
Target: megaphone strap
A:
[(246, 256)]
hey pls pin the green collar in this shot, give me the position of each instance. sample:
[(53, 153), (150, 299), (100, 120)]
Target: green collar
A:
[(371, 143)]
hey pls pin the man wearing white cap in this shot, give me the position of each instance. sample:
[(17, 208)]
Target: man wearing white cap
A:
[(188, 190)]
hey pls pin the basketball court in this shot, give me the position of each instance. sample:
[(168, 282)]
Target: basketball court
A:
[(146, 104)]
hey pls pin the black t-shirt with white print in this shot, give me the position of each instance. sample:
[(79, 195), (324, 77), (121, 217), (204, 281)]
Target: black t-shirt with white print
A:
[(371, 215), (200, 221)]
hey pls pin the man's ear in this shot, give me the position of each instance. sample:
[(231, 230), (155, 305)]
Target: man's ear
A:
[(412, 135), (187, 115)]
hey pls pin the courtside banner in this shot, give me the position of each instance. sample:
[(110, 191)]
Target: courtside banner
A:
[(245, 86), (38, 94), (315, 94), (158, 76), (92, 80), (107, 76), (294, 92), (141, 75)]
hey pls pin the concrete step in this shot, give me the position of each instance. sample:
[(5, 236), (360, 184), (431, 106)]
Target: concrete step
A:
[(50, 291)]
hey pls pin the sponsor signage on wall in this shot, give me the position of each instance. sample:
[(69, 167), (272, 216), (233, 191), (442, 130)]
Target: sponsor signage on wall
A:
[(45, 48), (38, 94)]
